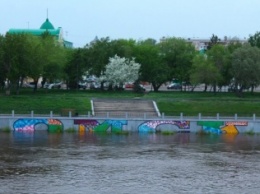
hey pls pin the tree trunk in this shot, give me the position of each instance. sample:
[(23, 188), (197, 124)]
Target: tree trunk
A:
[(252, 89), (43, 82), (155, 87), (18, 87), (205, 88), (214, 88), (35, 81)]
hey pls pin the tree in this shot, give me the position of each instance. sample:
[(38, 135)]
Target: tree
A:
[(74, 68), (246, 67), (121, 70), (99, 51), (2, 72), (218, 55), (203, 71), (254, 40), (213, 41), (177, 54), (16, 57), (96, 55), (231, 47), (55, 58), (122, 47), (152, 69)]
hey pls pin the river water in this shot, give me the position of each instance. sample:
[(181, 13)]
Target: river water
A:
[(128, 164)]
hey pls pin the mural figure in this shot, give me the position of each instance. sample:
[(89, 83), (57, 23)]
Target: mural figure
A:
[(150, 126), (94, 125), (28, 125), (219, 127)]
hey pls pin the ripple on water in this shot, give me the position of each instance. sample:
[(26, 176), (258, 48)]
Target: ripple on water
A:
[(146, 164)]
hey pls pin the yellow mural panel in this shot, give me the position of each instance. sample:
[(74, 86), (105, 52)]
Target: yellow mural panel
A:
[(230, 129), (82, 129)]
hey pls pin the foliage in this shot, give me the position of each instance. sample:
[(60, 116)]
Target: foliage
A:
[(203, 71), (74, 68), (71, 130), (55, 56), (25, 55), (6, 129), (122, 48), (177, 54), (213, 41), (246, 67), (167, 132), (218, 55), (250, 132), (152, 69), (16, 50), (97, 55), (121, 70), (254, 40), (2, 71), (123, 132)]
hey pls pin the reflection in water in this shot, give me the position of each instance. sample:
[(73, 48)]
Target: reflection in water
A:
[(42, 162)]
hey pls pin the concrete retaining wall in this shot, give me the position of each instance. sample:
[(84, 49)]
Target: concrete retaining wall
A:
[(56, 124)]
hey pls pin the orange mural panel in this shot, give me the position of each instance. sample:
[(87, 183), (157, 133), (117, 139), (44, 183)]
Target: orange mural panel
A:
[(230, 129)]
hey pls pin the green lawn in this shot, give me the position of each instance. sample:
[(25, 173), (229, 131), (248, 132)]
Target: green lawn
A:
[(170, 103)]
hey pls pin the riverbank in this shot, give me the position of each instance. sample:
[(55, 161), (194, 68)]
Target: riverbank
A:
[(171, 103)]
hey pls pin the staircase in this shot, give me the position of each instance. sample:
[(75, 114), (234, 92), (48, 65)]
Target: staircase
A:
[(120, 108)]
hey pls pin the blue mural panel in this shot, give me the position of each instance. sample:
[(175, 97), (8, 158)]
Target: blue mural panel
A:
[(28, 124)]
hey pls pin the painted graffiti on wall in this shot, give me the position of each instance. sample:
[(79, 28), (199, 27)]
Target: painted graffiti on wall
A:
[(151, 126), (29, 124), (55, 125), (117, 125), (218, 127), (94, 125)]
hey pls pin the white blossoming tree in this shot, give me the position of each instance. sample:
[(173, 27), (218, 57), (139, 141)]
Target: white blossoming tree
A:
[(121, 70)]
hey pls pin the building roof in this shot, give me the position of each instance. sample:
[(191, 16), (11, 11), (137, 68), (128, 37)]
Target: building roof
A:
[(47, 25), (36, 32)]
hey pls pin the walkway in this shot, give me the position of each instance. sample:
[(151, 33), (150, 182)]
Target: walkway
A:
[(121, 108)]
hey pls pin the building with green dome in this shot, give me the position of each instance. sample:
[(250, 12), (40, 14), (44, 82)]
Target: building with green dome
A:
[(45, 27)]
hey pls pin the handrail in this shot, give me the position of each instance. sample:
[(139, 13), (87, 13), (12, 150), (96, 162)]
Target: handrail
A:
[(132, 115)]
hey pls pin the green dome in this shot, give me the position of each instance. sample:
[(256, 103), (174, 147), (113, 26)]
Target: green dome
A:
[(47, 25)]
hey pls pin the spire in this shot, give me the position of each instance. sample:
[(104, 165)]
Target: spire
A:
[(47, 25)]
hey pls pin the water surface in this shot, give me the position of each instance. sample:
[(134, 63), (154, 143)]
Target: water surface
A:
[(135, 163)]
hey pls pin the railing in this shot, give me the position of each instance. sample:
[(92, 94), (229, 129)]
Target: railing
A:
[(133, 115), (235, 117)]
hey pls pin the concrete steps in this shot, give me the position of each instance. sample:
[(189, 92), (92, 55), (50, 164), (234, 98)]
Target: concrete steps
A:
[(121, 108)]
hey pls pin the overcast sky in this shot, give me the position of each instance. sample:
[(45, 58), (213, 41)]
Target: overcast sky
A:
[(83, 20)]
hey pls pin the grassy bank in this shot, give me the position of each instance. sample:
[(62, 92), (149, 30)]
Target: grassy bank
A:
[(171, 103)]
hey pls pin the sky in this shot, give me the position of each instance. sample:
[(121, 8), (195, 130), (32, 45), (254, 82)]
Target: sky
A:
[(83, 20)]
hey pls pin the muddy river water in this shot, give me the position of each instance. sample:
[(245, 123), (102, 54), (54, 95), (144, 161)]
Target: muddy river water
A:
[(128, 164)]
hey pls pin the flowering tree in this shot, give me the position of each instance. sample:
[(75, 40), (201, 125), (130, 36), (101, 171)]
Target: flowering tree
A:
[(120, 70)]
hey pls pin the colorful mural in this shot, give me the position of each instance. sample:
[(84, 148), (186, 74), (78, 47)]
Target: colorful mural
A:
[(55, 125), (150, 126), (28, 125), (218, 127), (94, 125)]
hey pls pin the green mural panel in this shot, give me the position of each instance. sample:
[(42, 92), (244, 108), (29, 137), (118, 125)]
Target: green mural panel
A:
[(102, 128), (55, 128), (213, 124)]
